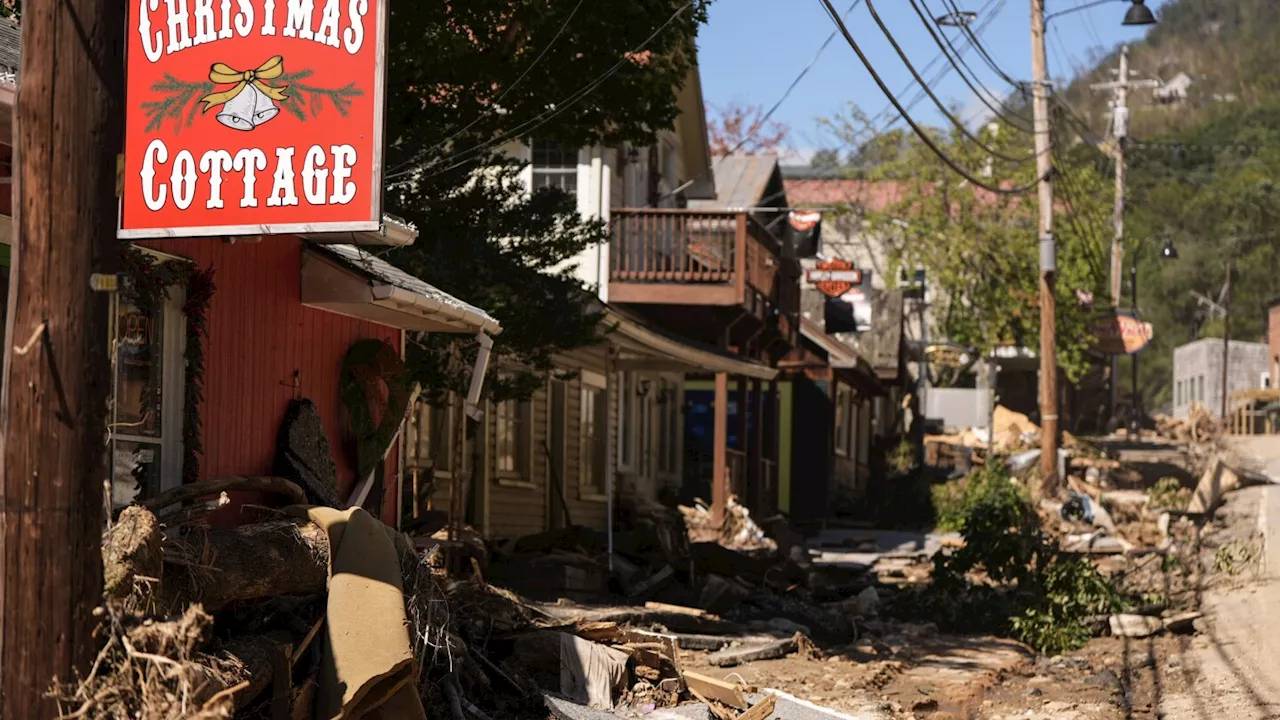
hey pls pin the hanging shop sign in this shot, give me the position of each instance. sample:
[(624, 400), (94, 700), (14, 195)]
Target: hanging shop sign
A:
[(834, 278), (1120, 334), (804, 229), (258, 117), (851, 310), (948, 356)]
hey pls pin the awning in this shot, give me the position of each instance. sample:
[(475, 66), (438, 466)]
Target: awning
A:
[(843, 359), (393, 233), (349, 281), (644, 348)]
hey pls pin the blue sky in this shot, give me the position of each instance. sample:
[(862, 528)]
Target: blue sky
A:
[(751, 50)]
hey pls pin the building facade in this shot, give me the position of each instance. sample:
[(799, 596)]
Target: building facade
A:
[(1197, 373)]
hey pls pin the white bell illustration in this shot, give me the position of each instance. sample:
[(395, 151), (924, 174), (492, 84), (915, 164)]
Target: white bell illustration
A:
[(238, 112), (264, 109)]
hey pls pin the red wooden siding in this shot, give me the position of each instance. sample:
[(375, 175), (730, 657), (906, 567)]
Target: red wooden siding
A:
[(259, 335)]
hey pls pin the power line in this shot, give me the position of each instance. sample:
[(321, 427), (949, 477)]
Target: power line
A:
[(982, 50), (497, 103), (985, 91), (942, 72), (941, 106), (554, 110), (924, 137), (765, 118)]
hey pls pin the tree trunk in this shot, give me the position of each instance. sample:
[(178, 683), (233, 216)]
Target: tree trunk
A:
[(250, 562), (69, 117)]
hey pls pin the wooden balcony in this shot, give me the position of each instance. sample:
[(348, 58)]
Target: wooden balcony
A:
[(700, 271)]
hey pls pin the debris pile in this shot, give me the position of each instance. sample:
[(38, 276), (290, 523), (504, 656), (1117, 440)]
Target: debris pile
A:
[(739, 530), (1197, 428)]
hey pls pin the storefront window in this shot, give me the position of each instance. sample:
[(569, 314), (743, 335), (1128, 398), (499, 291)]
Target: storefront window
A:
[(146, 426)]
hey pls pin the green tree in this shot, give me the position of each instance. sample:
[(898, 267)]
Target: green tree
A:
[(980, 249), (466, 80), (1211, 188)]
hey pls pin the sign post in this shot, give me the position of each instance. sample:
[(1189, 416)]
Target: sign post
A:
[(259, 118)]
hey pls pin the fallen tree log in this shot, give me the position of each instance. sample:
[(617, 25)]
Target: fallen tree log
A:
[(194, 491), (250, 562)]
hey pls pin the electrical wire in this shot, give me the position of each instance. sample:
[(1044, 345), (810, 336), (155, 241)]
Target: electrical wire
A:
[(546, 116), (497, 103), (982, 51), (942, 72), (769, 114), (944, 43), (915, 127), (941, 106)]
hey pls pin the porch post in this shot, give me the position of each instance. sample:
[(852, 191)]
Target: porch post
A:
[(773, 442), (743, 482), (719, 456), (755, 452)]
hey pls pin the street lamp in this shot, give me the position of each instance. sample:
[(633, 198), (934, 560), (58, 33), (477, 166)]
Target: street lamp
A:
[(1167, 252), (1139, 14)]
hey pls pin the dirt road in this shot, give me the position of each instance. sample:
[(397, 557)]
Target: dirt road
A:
[(1235, 661)]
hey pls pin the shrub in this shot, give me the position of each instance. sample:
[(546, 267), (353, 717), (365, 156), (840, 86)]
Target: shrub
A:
[(1034, 593)]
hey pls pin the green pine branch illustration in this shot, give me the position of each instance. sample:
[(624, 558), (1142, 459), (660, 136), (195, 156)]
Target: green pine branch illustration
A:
[(180, 100)]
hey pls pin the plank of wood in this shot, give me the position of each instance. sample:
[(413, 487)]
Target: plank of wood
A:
[(752, 653), (761, 710), (679, 610), (704, 642), (715, 708), (652, 581), (727, 693)]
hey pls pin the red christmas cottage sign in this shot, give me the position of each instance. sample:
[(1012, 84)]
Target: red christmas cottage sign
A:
[(253, 117)]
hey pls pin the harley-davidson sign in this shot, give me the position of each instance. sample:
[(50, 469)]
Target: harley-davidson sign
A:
[(253, 117), (1120, 334), (834, 278)]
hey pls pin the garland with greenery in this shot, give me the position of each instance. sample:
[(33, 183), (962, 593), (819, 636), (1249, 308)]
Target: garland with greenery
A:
[(149, 282)]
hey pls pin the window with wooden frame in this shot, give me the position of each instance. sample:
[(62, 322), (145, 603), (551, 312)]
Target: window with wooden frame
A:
[(430, 437), (146, 404), (627, 419), (593, 440), (554, 166), (844, 412), (645, 427), (668, 427), (513, 440)]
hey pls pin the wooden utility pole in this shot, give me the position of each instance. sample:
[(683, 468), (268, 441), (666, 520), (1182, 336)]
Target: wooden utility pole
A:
[(69, 124), (1048, 258), (1120, 131)]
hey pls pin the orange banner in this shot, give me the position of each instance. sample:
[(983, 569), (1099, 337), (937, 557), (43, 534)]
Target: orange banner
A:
[(1120, 335), (253, 117)]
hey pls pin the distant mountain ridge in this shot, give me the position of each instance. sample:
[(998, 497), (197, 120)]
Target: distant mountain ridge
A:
[(1221, 54)]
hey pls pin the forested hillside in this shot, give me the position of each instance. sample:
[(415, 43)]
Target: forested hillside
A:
[(1202, 171)]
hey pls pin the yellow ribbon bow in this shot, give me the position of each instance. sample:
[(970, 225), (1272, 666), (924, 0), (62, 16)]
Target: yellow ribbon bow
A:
[(221, 73)]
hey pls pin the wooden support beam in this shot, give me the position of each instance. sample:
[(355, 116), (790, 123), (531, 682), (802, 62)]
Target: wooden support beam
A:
[(69, 120), (755, 451), (719, 451)]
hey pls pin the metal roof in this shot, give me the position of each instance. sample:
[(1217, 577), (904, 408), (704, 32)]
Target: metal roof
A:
[(378, 269), (742, 181), (10, 49)]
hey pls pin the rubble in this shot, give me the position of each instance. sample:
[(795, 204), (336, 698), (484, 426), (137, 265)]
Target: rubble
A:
[(740, 532)]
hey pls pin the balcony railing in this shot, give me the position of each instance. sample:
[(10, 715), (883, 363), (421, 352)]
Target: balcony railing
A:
[(729, 251)]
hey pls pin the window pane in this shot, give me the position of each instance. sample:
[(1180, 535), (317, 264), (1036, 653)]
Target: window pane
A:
[(135, 472), (138, 372), (559, 179)]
